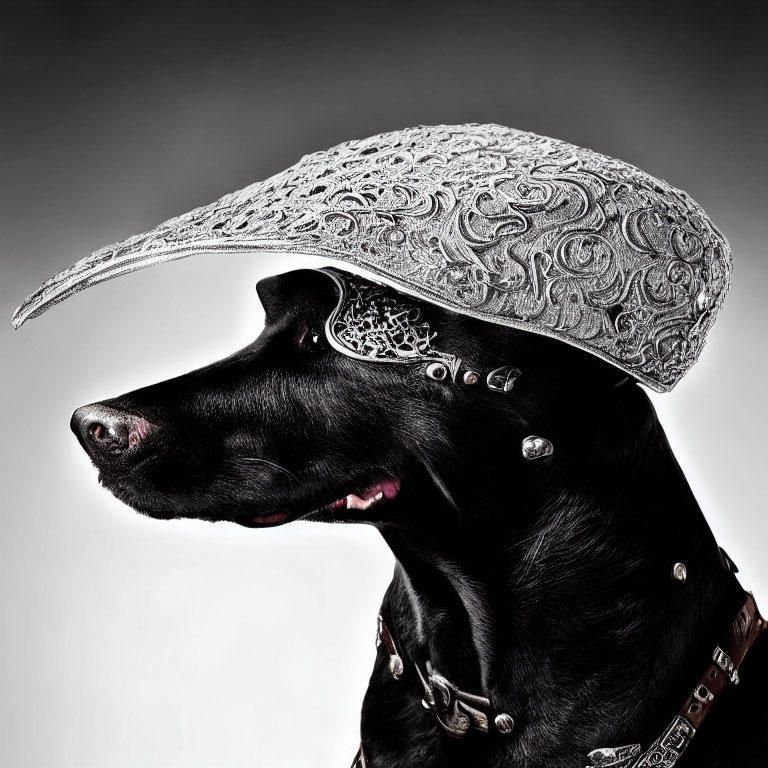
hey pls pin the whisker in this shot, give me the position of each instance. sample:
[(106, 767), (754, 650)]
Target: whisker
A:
[(441, 486), (256, 460)]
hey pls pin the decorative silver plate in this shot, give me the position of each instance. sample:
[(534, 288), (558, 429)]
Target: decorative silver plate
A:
[(503, 225)]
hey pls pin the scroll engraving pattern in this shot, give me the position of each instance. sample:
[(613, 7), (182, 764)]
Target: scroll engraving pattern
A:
[(373, 323), (509, 226)]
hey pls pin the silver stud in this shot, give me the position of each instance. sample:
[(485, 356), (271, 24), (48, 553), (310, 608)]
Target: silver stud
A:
[(502, 379), (396, 666), (679, 572), (437, 371), (471, 377), (703, 301), (535, 447), (505, 723)]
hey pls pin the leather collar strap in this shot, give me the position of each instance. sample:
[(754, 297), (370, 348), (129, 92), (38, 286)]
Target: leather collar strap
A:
[(457, 711), (360, 761), (669, 747)]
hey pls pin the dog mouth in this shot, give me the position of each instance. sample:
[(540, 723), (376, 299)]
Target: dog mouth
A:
[(383, 490)]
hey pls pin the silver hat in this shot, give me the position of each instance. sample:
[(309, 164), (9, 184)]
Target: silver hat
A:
[(503, 225)]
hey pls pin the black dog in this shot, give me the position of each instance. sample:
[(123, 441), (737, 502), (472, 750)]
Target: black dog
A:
[(542, 585)]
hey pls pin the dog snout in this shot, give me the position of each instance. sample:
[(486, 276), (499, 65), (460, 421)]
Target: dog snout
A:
[(107, 432)]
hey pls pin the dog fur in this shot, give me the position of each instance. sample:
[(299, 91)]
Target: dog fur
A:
[(544, 585)]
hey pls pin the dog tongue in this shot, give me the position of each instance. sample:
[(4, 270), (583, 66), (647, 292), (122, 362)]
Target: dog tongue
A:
[(385, 489)]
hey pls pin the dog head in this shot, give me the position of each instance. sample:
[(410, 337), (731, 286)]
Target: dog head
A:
[(296, 426), (570, 248)]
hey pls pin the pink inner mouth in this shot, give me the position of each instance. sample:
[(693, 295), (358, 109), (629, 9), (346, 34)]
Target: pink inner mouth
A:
[(384, 489)]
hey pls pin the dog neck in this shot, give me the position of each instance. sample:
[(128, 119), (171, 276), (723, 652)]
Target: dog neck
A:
[(551, 590)]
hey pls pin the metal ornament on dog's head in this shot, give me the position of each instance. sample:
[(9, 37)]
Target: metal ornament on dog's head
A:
[(372, 322), (506, 226)]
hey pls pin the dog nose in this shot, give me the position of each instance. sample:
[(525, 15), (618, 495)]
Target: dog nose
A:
[(104, 431)]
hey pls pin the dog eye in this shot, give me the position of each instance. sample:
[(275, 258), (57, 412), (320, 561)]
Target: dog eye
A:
[(312, 340)]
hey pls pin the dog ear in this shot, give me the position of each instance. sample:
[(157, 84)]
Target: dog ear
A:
[(300, 288)]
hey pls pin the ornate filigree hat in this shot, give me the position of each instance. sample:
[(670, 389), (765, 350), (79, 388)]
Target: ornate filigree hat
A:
[(503, 225)]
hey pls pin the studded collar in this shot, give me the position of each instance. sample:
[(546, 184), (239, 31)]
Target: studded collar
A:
[(459, 712)]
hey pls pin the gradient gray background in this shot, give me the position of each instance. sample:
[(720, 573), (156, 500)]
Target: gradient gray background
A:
[(130, 642)]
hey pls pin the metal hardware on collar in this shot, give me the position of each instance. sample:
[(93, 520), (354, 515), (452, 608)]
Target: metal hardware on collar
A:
[(502, 379), (456, 711), (669, 747), (504, 722), (663, 753), (703, 694), (679, 572), (535, 447), (396, 666), (723, 660), (613, 757)]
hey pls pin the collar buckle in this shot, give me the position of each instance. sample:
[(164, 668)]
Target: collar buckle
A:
[(724, 661), (454, 708)]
